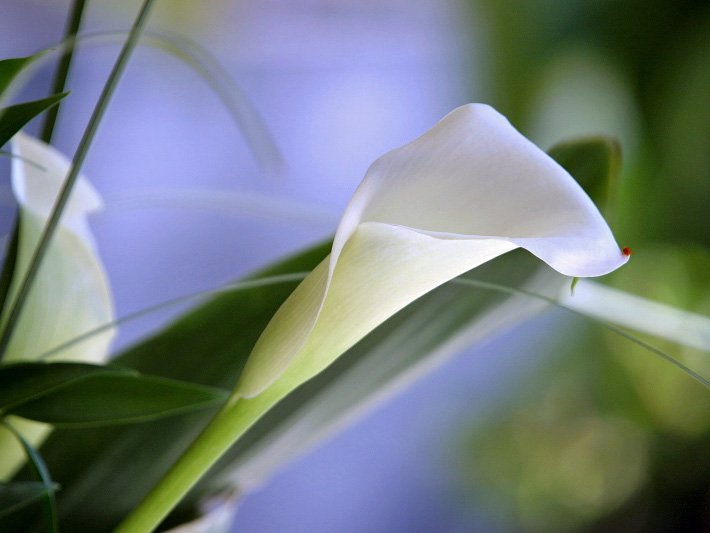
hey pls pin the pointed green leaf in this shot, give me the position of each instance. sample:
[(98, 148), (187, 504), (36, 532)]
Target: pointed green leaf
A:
[(24, 382), (17, 495), (14, 118), (11, 68), (8, 264), (118, 399), (40, 470)]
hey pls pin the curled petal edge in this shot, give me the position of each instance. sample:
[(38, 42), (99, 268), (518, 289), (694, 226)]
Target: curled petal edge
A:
[(465, 192)]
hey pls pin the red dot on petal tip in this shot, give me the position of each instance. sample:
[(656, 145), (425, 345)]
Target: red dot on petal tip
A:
[(626, 251)]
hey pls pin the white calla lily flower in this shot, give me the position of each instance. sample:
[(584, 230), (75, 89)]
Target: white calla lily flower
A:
[(470, 189), (71, 293)]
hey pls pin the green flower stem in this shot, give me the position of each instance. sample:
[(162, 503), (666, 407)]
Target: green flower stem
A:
[(235, 418), (92, 127)]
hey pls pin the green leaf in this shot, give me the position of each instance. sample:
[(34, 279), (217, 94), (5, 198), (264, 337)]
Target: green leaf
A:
[(20, 494), (11, 68), (14, 118), (595, 162), (24, 382), (8, 264), (117, 399), (40, 470)]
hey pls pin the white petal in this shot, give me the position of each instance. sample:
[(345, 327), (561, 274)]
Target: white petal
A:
[(474, 175), (215, 516), (37, 177), (71, 294), (470, 189)]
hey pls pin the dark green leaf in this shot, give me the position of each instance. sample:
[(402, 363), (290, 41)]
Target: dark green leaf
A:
[(595, 162), (10, 68), (116, 399), (17, 495), (14, 118), (8, 265), (41, 472), (24, 382)]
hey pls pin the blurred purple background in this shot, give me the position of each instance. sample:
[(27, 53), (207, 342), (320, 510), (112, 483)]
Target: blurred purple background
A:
[(336, 84)]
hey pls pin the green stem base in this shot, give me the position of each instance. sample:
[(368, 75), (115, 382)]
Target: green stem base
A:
[(226, 427)]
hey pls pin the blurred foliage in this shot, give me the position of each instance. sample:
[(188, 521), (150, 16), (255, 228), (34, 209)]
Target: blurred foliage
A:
[(606, 437), (659, 49)]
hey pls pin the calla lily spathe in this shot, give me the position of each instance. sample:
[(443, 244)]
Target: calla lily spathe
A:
[(470, 189), (71, 294)]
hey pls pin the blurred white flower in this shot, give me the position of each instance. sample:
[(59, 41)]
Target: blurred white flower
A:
[(470, 189), (71, 294)]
